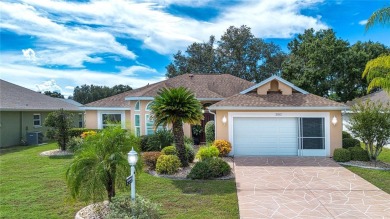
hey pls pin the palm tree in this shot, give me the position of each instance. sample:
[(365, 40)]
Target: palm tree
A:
[(377, 71), (381, 16), (176, 106), (101, 164)]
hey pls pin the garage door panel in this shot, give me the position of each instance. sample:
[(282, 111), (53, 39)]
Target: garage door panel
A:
[(265, 136)]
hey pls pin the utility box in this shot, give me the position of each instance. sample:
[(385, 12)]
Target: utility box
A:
[(34, 138)]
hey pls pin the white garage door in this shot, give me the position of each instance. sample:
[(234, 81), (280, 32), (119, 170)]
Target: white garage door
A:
[(265, 136)]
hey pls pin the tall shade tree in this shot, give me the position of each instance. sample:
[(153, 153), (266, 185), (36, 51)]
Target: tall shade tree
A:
[(377, 72), (370, 122), (238, 53), (381, 16), (88, 93), (101, 166), (175, 106)]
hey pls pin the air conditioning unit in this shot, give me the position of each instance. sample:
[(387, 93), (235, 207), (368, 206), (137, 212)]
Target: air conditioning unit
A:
[(34, 138)]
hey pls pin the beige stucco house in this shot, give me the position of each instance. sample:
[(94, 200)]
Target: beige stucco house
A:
[(273, 117)]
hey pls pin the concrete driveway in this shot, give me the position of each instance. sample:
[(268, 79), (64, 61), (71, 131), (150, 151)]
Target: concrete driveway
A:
[(292, 187)]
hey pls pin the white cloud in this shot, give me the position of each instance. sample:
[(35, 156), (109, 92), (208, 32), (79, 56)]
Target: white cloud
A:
[(49, 85), (136, 69), (158, 30), (69, 87), (363, 22), (29, 54)]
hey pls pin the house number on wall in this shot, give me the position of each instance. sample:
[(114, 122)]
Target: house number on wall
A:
[(278, 114)]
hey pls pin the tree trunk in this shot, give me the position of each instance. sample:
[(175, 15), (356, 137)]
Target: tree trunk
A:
[(110, 187), (178, 134)]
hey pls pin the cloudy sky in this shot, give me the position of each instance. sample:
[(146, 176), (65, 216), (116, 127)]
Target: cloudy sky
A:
[(57, 45)]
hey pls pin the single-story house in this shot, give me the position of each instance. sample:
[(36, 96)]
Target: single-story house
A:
[(23, 112), (273, 117), (379, 96)]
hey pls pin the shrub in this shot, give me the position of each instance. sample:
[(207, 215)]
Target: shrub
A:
[(144, 142), (210, 131), (207, 152), (188, 140), (190, 153), (123, 207), (153, 143), (346, 135), (224, 147), (74, 144), (209, 168), (88, 133), (150, 158), (157, 141), (170, 150), (76, 132), (59, 122), (341, 155), (350, 142), (165, 137), (167, 164), (358, 153)]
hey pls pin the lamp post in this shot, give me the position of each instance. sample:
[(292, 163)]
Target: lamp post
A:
[(132, 158)]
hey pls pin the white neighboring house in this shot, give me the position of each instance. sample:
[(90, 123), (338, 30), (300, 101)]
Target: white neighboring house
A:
[(379, 96)]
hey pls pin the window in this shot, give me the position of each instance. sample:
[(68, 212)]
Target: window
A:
[(311, 133), (149, 125), (37, 119), (111, 120), (137, 106), (147, 108), (137, 125), (81, 120)]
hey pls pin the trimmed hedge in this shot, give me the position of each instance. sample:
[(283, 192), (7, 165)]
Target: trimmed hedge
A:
[(209, 168), (168, 164), (210, 131), (76, 132), (350, 142), (358, 153), (150, 158), (205, 152), (346, 135), (341, 155)]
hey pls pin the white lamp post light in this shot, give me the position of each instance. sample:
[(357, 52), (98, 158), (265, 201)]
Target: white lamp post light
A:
[(132, 158)]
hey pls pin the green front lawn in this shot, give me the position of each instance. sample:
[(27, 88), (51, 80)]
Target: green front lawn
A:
[(384, 156), (32, 186), (379, 178)]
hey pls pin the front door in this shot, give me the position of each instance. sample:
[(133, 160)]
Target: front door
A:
[(311, 137)]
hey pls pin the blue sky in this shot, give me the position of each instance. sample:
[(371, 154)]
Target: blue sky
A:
[(58, 45)]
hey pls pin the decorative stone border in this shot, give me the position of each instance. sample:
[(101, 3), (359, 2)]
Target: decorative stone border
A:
[(56, 152), (363, 166)]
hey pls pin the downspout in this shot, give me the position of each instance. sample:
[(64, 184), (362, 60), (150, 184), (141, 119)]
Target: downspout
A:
[(215, 123)]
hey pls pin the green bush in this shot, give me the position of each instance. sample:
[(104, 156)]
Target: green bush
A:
[(210, 131), (358, 153), (144, 142), (123, 207), (190, 153), (188, 140), (169, 150), (157, 141), (165, 137), (346, 135), (209, 168), (74, 144), (350, 142), (167, 164), (207, 152), (150, 158), (341, 155)]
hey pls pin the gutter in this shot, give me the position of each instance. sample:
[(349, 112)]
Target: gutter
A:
[(275, 108)]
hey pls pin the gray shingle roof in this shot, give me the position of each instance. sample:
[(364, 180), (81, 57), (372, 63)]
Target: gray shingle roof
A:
[(205, 86), (381, 96), (17, 98)]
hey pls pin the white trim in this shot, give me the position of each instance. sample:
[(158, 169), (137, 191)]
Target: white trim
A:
[(139, 109), (40, 120), (139, 126), (317, 108), (139, 98), (100, 119), (325, 115), (147, 105), (106, 108), (273, 78)]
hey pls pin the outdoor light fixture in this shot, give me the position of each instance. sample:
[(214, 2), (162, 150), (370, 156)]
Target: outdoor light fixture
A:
[(132, 158), (334, 120), (202, 111), (224, 120)]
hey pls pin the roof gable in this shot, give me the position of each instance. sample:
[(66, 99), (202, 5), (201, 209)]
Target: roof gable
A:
[(269, 80)]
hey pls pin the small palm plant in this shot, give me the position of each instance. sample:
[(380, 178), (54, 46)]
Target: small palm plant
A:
[(176, 106), (101, 165)]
